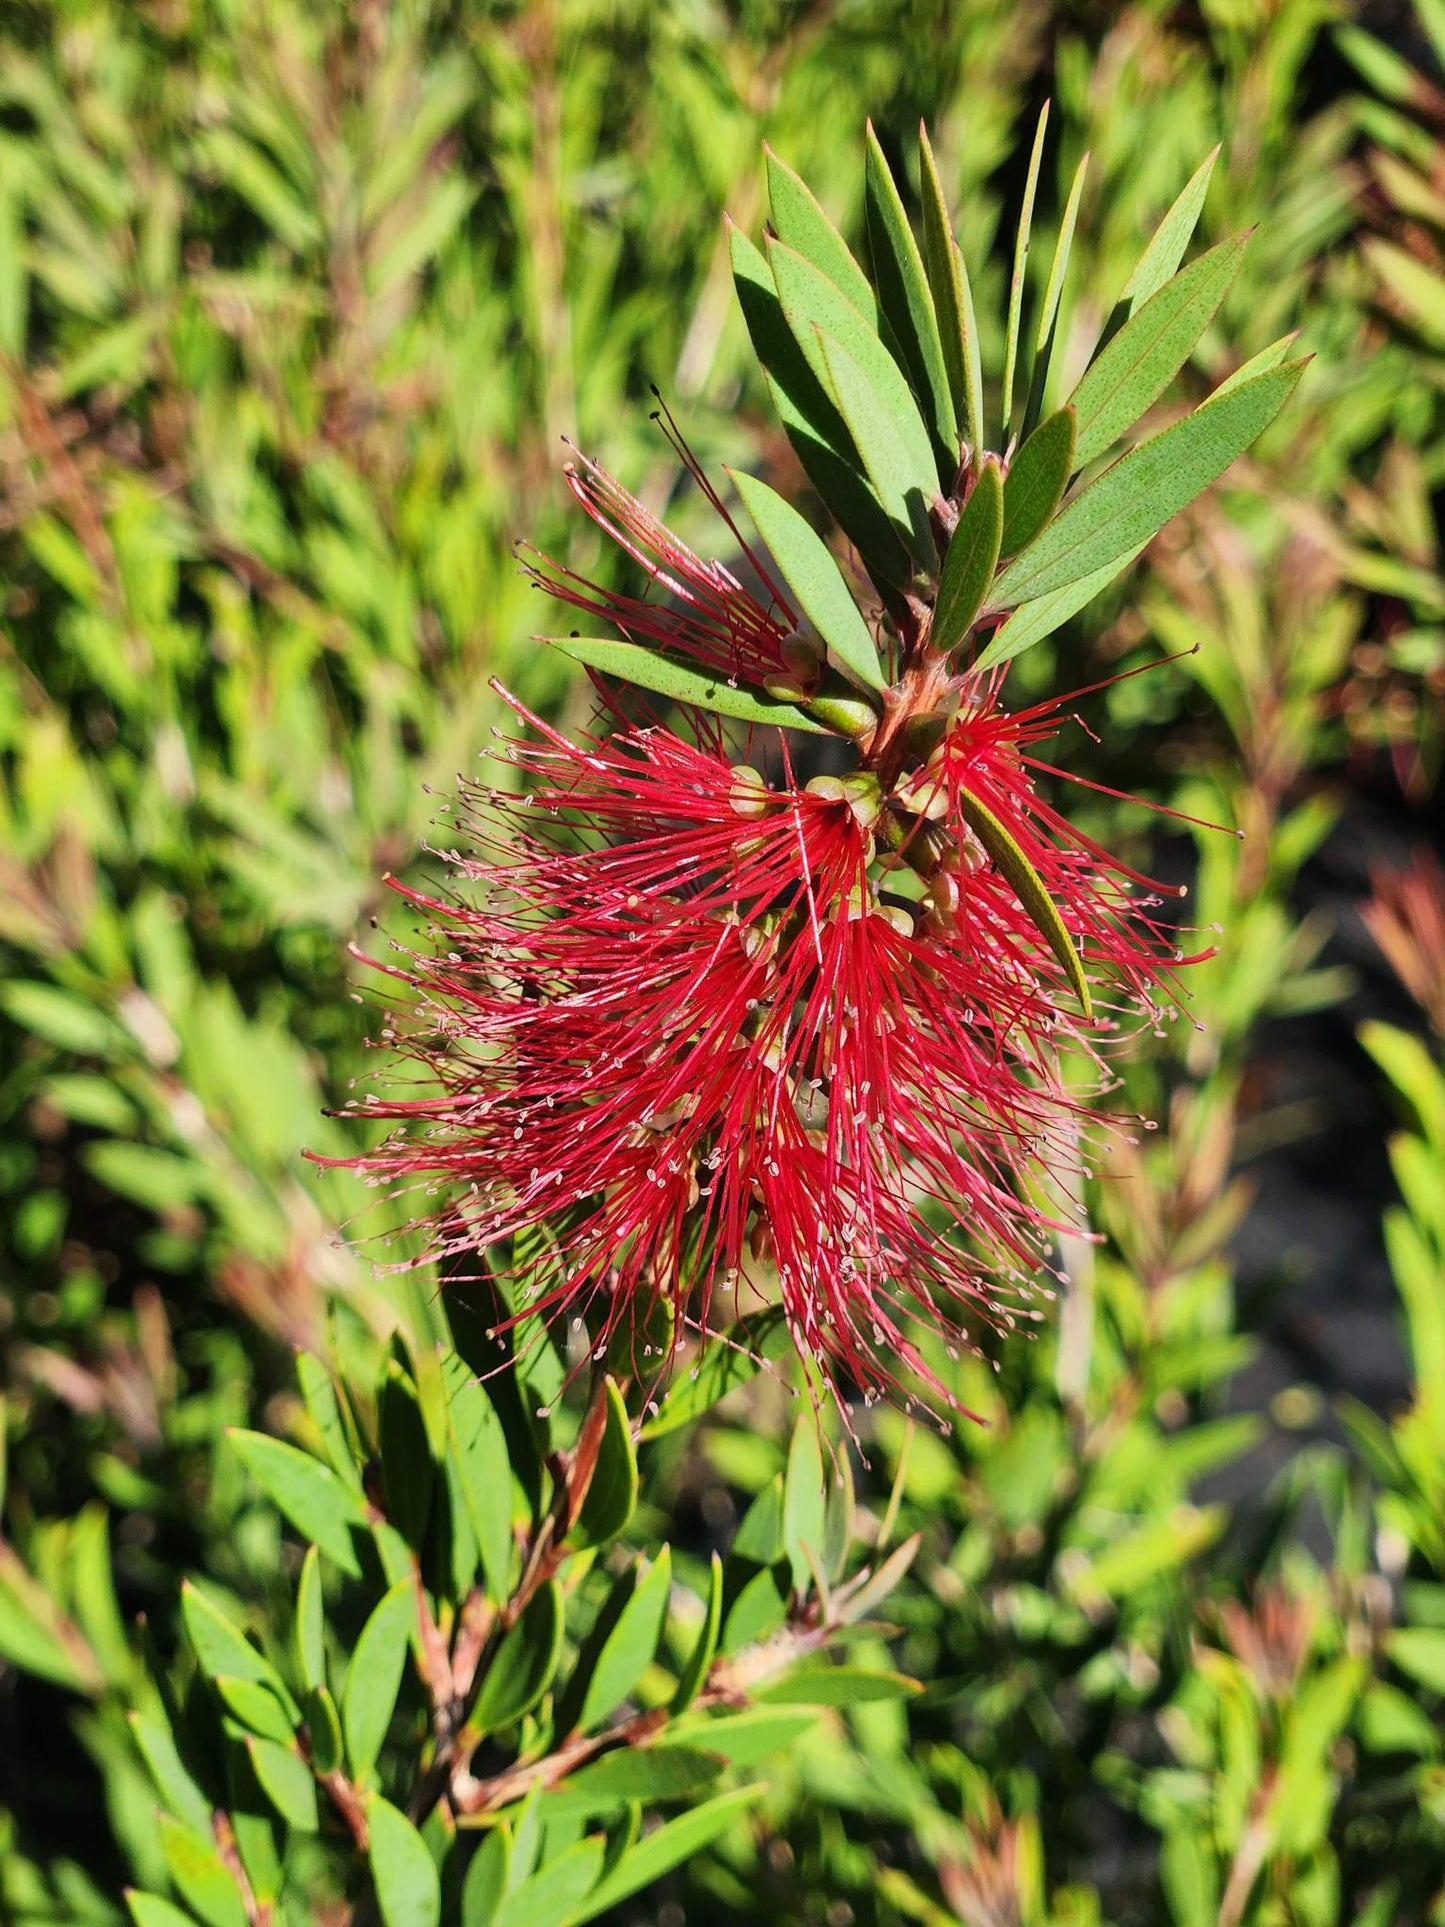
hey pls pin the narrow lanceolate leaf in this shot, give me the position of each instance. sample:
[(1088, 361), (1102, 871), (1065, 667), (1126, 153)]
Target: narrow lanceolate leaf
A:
[(804, 1503), (1150, 349), (812, 422), (800, 223), (972, 556), (308, 1632), (907, 304), (1021, 261), (222, 1648), (701, 1657), (1132, 501), (551, 1896), (1053, 293), (669, 1846), (1164, 253), (373, 1678), (521, 1670), (477, 1445), (612, 1492), (408, 1889), (811, 304), (1034, 620), (904, 491), (681, 682), (614, 1664), (310, 1494), (952, 303), (814, 579), (1036, 480), (1023, 879), (1259, 364)]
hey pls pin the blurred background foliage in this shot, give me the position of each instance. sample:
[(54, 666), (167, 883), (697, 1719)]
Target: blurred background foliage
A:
[(296, 299)]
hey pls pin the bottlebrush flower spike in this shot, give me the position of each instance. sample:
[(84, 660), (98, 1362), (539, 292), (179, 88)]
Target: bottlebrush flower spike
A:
[(694, 1020)]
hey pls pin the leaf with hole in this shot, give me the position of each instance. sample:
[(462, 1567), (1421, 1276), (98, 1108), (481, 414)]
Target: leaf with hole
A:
[(814, 580), (1137, 366), (1132, 501), (907, 304)]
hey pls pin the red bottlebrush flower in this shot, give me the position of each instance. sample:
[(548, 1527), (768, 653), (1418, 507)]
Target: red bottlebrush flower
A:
[(712, 620), (711, 1032)]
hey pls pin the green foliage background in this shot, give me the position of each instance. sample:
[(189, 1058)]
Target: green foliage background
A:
[(295, 302)]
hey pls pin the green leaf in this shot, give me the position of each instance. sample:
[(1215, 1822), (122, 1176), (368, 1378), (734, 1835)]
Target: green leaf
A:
[(1259, 364), (1053, 292), (972, 556), (1420, 1652), (318, 1394), (309, 1630), (222, 1648), (1042, 615), (1164, 253), (759, 1538), (172, 1778), (200, 1875), (889, 466), (759, 1609), (486, 1879), (814, 578), (408, 1891), (1389, 1721), (1149, 350), (1131, 502), (695, 1671), (408, 1470), (287, 1782), (622, 1645), (813, 425), (812, 307), (323, 1730), (611, 1496), (907, 304), (1027, 886), (69, 1022), (553, 1894), (668, 1847), (804, 1502), (829, 1685), (952, 303), (800, 223), (683, 682), (742, 1739), (521, 1670), (374, 1675), (725, 1362), (255, 1707), (311, 1496), (645, 1773), (1036, 480), (1020, 264), (149, 1910), (478, 1447)]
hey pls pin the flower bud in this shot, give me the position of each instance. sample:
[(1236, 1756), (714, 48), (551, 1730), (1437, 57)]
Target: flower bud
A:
[(750, 796)]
